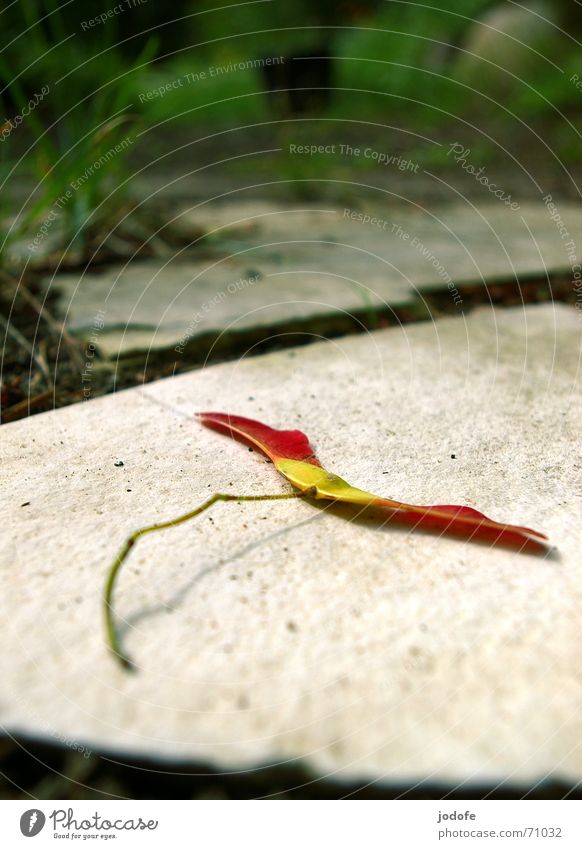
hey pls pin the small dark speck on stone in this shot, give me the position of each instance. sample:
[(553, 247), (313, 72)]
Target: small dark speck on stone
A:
[(291, 626), (453, 456), (251, 398), (250, 449), (119, 463), (385, 473), (26, 504), (128, 490), (233, 577)]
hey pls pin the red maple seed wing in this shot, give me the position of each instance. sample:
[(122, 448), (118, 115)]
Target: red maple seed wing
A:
[(469, 512), (451, 520), (276, 444), (466, 523)]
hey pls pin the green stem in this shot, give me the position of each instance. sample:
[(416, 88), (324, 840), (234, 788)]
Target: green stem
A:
[(111, 631)]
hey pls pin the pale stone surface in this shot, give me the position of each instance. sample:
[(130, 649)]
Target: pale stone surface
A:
[(272, 632), (315, 266)]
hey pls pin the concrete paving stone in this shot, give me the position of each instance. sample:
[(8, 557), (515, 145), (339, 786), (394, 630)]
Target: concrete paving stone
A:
[(309, 268), (281, 632)]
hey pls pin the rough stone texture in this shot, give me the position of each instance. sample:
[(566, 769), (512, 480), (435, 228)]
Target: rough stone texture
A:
[(272, 632), (316, 267)]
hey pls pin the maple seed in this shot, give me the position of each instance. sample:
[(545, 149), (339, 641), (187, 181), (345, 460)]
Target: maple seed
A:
[(293, 457)]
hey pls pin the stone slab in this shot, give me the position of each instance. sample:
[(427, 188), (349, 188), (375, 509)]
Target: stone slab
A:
[(271, 633), (313, 267)]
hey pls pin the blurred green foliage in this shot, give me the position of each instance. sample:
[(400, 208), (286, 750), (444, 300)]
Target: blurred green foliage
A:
[(410, 61), (406, 59), (81, 119), (420, 66)]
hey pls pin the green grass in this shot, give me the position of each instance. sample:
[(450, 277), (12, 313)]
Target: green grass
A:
[(76, 130)]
